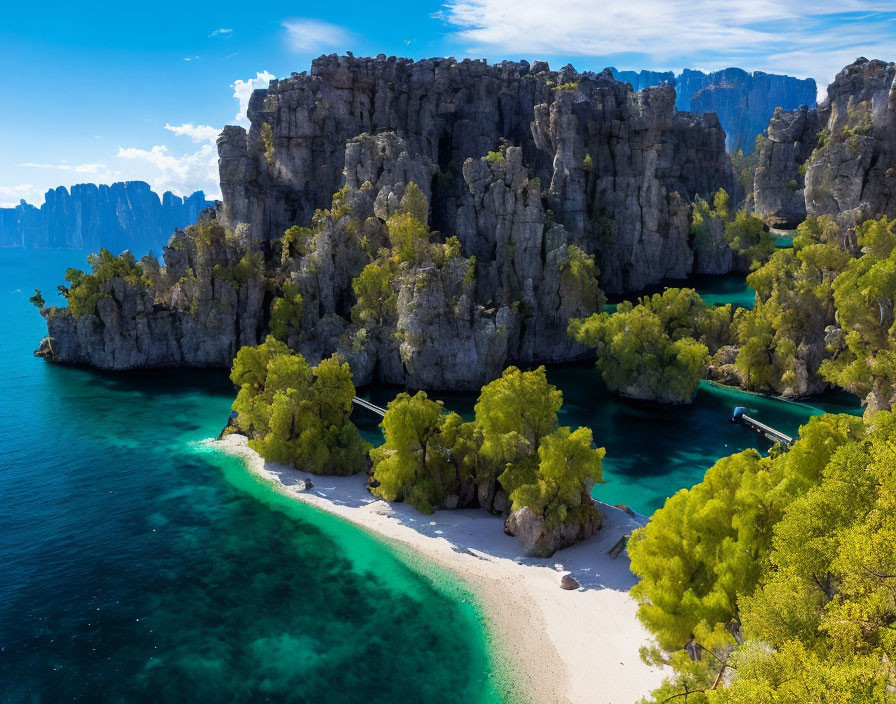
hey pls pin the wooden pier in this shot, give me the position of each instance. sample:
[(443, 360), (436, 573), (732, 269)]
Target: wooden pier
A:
[(367, 405), (774, 435)]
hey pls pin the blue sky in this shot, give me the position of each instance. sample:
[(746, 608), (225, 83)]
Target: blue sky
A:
[(96, 92)]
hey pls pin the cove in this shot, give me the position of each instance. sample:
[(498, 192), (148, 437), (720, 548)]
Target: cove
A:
[(140, 566)]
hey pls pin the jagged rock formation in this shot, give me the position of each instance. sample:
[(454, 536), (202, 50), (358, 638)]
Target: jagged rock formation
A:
[(846, 148), (779, 185), (743, 101), (196, 311), (118, 217), (532, 170), (642, 151)]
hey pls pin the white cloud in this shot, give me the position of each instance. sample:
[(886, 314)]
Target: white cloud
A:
[(179, 174), (305, 35), (11, 195), (223, 31), (198, 133), (76, 168), (242, 91), (804, 39)]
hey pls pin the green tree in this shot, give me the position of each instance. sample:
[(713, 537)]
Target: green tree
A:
[(375, 299), (637, 355), (286, 311), (412, 464), (37, 299), (864, 358), (294, 414), (567, 469), (781, 337)]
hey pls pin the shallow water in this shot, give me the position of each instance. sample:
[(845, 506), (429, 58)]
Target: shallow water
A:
[(715, 290), (140, 566), (652, 452)]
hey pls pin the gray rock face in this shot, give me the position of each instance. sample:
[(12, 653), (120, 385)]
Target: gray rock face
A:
[(624, 174), (743, 101), (849, 163), (780, 179), (625, 208), (118, 217), (852, 174), (192, 315), (535, 183), (529, 528)]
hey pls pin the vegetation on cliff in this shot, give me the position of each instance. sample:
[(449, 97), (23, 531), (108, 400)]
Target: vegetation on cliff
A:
[(782, 337), (657, 349), (863, 350), (745, 234), (297, 414), (777, 572)]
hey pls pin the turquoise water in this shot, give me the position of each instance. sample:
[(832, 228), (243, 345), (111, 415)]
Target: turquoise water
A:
[(139, 566), (652, 452), (715, 290)]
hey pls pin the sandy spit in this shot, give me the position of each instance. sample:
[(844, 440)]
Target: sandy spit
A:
[(558, 646)]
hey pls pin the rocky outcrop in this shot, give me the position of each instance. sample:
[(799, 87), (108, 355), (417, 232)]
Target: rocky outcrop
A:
[(846, 148), (743, 101), (851, 175), (118, 217), (642, 151), (538, 541), (623, 176), (541, 176), (779, 185), (196, 311)]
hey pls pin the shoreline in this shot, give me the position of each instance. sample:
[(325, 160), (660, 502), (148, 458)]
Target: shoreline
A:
[(557, 646)]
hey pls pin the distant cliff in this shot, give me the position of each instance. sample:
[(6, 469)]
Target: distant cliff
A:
[(744, 102), (122, 216)]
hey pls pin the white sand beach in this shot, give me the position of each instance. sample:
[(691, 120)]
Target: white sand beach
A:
[(561, 646)]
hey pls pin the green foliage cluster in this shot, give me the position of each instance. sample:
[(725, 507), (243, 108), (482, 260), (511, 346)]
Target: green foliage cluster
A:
[(657, 349), (570, 85), (864, 296), (493, 157), (286, 311), (513, 441), (794, 303), (267, 139), (410, 241), (250, 265), (580, 273), (85, 291), (375, 298), (37, 299), (744, 233), (782, 570), (295, 414), (588, 162)]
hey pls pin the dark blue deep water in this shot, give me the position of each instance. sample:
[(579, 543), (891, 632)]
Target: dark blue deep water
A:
[(138, 566)]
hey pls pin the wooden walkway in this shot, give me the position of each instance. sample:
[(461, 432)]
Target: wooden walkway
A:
[(367, 405), (774, 435)]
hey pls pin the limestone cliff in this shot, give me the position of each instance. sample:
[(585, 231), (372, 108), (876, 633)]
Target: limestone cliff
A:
[(534, 180), (839, 159)]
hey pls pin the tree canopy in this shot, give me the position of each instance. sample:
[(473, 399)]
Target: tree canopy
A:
[(649, 350), (295, 414), (781, 568)]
